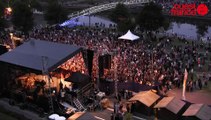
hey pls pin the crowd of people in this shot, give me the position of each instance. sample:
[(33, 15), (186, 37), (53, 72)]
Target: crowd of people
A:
[(151, 60), (142, 61)]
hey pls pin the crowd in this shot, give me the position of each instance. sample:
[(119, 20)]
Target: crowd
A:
[(75, 64), (142, 61)]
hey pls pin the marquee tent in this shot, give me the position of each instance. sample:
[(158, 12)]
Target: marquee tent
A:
[(146, 101), (200, 111), (148, 98), (129, 36), (170, 108), (171, 103), (34, 54)]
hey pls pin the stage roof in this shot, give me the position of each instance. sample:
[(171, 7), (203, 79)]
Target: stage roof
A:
[(32, 53)]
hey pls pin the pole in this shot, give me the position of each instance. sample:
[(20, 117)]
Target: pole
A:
[(115, 74), (116, 80), (46, 73), (98, 73), (13, 42)]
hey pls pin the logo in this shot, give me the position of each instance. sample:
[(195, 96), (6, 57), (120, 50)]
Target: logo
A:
[(202, 9), (189, 10)]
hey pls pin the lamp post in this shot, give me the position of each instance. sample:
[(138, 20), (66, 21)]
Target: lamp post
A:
[(115, 78), (115, 57), (13, 42), (47, 77)]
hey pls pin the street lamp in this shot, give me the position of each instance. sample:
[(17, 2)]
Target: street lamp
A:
[(7, 12), (13, 42), (115, 54)]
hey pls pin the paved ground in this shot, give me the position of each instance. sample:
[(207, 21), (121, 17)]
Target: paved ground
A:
[(104, 114), (197, 96)]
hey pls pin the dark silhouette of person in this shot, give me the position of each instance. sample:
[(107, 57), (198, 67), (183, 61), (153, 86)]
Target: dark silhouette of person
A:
[(200, 84)]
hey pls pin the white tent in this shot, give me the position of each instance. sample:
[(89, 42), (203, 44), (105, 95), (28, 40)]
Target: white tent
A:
[(129, 36)]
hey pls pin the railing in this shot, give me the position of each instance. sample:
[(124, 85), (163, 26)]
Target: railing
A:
[(78, 104), (84, 89)]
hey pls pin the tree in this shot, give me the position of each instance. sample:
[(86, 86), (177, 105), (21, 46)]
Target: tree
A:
[(2, 19), (121, 16), (201, 29), (22, 17), (166, 24), (119, 13), (151, 17), (55, 13), (125, 25), (35, 4)]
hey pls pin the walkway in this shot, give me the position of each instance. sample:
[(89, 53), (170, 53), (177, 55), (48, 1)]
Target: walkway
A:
[(197, 96)]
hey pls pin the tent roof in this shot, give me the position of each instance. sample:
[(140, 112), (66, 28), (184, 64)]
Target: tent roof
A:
[(31, 54), (79, 79), (171, 103), (129, 36), (201, 111), (82, 116), (146, 97)]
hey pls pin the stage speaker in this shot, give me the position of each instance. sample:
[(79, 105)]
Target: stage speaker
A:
[(88, 59), (101, 66), (107, 61), (3, 49), (90, 55)]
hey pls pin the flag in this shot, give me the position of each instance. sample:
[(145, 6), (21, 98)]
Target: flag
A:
[(184, 84)]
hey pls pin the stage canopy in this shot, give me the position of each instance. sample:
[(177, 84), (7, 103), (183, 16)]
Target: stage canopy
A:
[(146, 97), (200, 111), (129, 36), (36, 53), (171, 103), (71, 23)]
